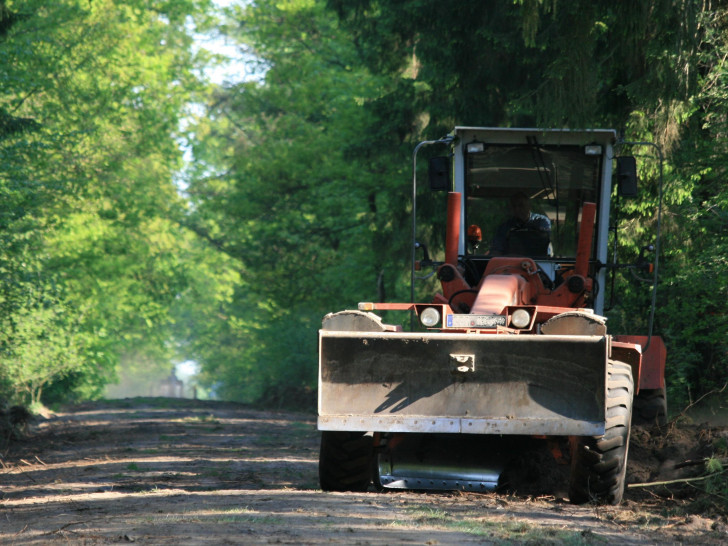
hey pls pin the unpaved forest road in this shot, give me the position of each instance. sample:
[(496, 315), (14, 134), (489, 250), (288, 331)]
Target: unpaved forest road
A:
[(164, 471)]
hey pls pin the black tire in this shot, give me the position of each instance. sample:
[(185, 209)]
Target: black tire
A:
[(345, 461), (650, 407), (599, 464)]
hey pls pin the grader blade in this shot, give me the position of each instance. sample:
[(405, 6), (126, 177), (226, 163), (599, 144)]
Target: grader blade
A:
[(462, 383)]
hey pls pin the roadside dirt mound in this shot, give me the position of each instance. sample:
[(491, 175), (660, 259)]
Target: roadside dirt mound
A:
[(170, 471), (669, 455)]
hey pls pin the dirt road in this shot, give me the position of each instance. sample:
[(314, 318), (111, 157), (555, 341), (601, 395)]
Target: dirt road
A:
[(165, 471)]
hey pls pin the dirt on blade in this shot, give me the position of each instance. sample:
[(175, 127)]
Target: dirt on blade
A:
[(173, 471)]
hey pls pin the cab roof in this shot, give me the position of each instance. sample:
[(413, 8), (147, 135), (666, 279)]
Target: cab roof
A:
[(564, 137)]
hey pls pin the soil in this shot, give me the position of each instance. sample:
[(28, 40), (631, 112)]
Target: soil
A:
[(173, 471)]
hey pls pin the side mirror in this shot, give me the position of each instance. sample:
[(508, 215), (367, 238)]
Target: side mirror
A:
[(439, 173), (627, 176)]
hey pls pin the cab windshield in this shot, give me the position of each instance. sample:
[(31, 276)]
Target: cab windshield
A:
[(527, 200)]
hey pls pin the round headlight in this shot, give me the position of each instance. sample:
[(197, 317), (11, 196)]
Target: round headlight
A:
[(520, 318), (430, 317)]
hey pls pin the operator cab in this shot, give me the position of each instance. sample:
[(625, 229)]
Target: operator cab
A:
[(525, 199)]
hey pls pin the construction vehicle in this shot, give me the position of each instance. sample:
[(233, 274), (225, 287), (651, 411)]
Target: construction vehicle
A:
[(514, 345)]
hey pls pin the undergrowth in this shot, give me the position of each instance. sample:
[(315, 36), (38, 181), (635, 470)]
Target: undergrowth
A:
[(713, 489)]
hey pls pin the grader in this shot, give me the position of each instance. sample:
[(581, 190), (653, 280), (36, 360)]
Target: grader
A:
[(514, 344)]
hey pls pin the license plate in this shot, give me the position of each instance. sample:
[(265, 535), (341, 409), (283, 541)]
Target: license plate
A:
[(475, 321)]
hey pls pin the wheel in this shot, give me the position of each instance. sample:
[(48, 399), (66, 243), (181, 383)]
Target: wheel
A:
[(599, 464), (345, 461), (650, 407)]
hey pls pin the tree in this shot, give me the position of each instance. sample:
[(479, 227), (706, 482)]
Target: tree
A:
[(280, 188), (90, 107), (41, 345)]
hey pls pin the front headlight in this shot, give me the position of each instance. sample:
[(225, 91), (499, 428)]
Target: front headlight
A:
[(430, 317), (520, 318)]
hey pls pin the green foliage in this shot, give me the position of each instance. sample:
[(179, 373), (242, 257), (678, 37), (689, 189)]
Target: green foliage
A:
[(298, 199), (301, 174), (91, 100), (40, 344), (655, 71), (277, 188), (714, 485), (691, 130)]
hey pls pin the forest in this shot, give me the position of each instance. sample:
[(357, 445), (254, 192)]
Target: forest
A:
[(151, 215)]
